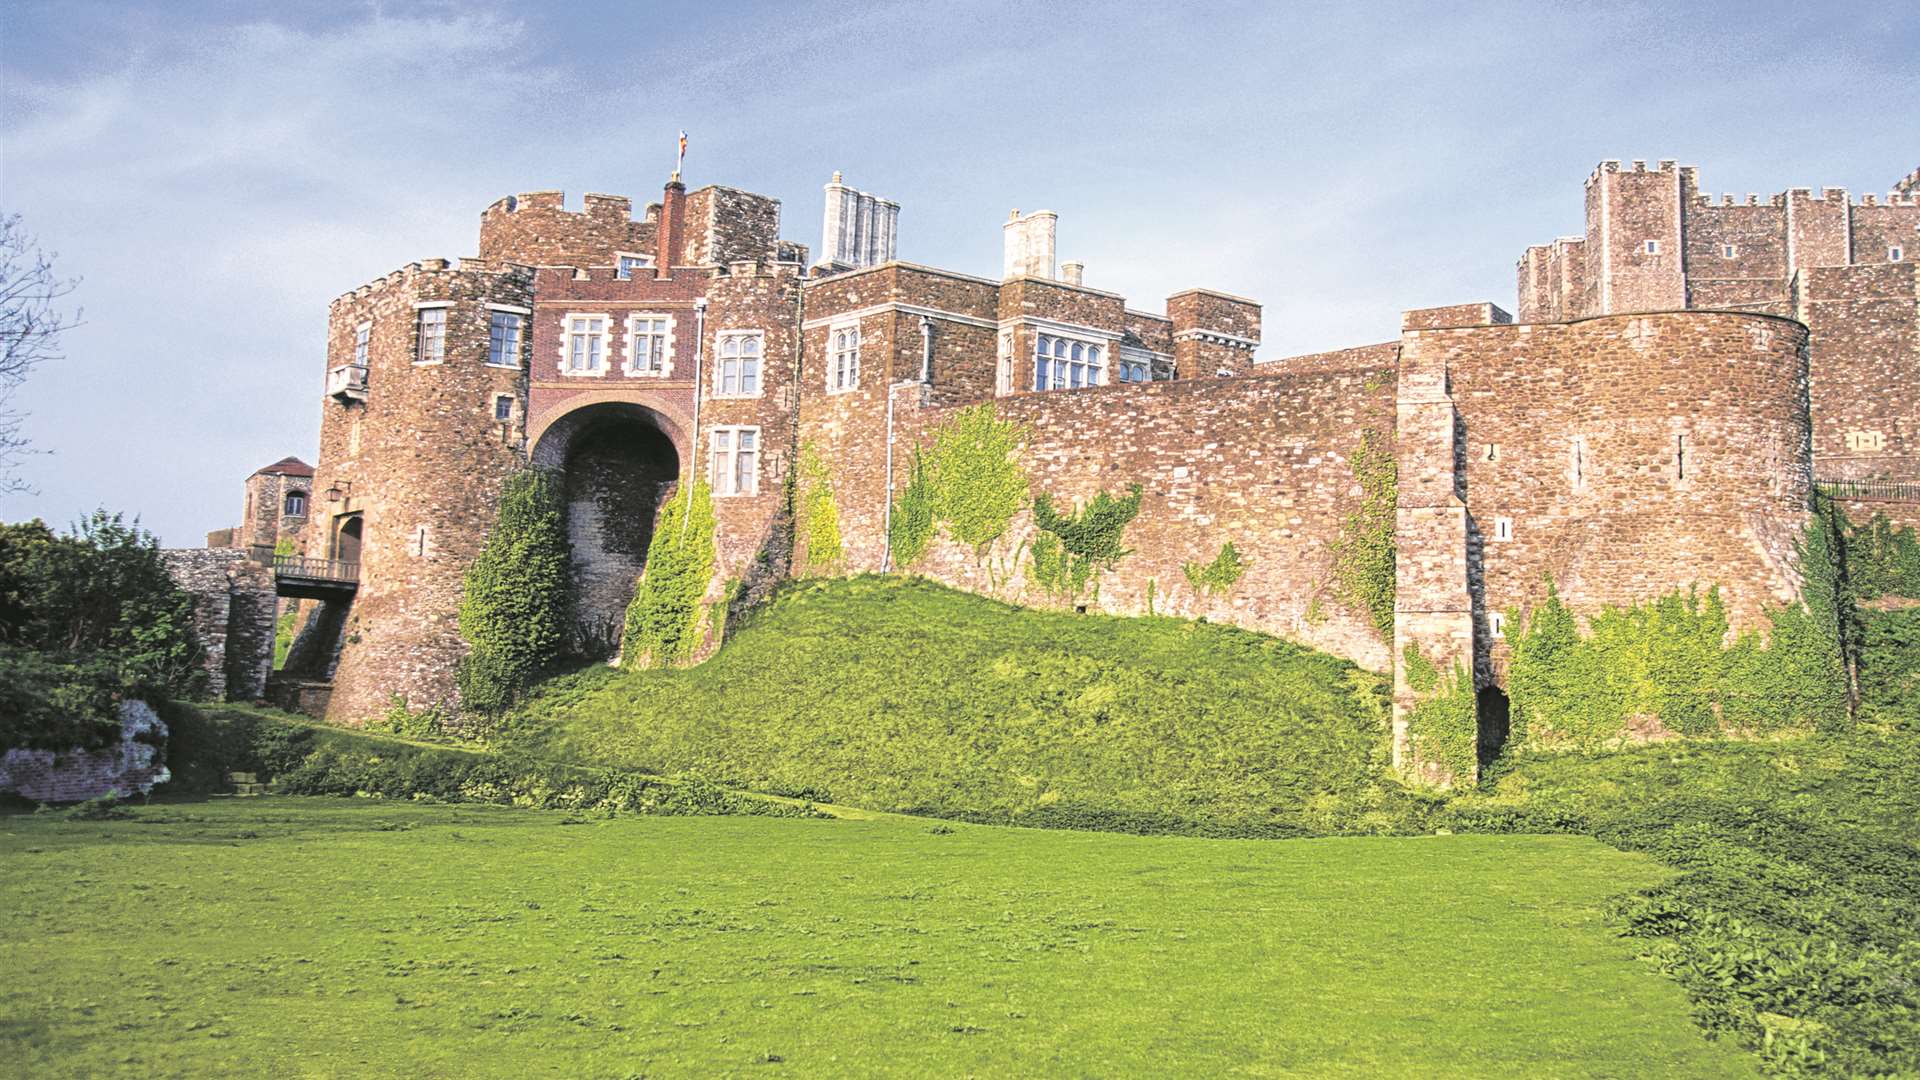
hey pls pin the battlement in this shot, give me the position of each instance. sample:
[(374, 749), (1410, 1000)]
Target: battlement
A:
[(1639, 166), (1730, 199), (593, 204), (429, 267), (1910, 186)]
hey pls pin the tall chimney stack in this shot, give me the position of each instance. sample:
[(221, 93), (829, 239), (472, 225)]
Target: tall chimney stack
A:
[(858, 229), (1029, 245), (673, 212)]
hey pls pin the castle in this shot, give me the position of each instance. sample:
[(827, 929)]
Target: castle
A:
[(1679, 378)]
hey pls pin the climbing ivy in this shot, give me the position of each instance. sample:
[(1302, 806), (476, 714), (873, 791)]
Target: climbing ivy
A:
[(516, 607), (974, 478), (1216, 578), (819, 514), (910, 531), (1444, 725), (1070, 551), (1363, 555), (663, 622), (1669, 660)]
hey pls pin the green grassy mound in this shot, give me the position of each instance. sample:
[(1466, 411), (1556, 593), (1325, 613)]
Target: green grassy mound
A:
[(902, 695), (306, 937), (297, 757)]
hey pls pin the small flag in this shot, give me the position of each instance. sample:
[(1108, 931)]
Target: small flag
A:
[(682, 159)]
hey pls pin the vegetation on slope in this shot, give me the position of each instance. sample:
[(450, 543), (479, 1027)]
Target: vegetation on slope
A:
[(902, 695)]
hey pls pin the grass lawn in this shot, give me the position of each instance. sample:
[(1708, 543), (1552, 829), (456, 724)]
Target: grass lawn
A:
[(359, 938), (902, 695)]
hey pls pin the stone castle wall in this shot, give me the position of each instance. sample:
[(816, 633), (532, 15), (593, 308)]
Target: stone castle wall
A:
[(233, 612), (1263, 461), (1623, 455), (420, 461), (1626, 457)]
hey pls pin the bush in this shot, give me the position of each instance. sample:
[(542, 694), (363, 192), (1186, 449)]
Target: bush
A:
[(516, 606), (307, 759), (86, 618), (663, 621)]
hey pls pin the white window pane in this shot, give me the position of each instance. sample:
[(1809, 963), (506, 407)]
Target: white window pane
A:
[(748, 439)]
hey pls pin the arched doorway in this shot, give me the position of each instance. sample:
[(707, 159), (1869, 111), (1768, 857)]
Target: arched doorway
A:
[(346, 538), (618, 463)]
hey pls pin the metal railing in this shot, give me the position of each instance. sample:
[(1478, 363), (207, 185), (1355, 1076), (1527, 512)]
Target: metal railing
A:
[(1871, 490), (300, 566)]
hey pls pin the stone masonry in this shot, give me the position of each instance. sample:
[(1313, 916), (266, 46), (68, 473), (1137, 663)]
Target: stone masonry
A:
[(1678, 379)]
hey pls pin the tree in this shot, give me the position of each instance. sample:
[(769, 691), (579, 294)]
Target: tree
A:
[(85, 619), (30, 328)]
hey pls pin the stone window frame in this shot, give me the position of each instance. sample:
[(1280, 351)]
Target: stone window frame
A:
[(362, 342), (1650, 247), (843, 357), (1728, 251), (294, 504), (721, 339), (497, 399), (623, 272), (1099, 351), (421, 311), (525, 318), (733, 435), (1497, 624), (1895, 253), (666, 345), (604, 333), (1503, 530)]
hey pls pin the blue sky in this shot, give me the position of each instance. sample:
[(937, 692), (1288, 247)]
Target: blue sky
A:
[(216, 173)]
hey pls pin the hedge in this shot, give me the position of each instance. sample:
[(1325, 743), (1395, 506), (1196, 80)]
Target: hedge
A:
[(299, 758)]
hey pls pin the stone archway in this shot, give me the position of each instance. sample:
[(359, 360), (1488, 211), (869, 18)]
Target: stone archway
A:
[(618, 462)]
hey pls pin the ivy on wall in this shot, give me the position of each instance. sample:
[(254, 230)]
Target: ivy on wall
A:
[(819, 515), (1882, 630), (1363, 554), (516, 607), (1071, 550), (1444, 724), (663, 622), (1669, 660), (973, 476), (1216, 578), (910, 530)]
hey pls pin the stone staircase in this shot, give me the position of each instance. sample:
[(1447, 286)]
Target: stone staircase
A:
[(246, 783)]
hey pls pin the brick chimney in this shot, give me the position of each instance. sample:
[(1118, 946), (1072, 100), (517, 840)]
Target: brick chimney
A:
[(673, 213)]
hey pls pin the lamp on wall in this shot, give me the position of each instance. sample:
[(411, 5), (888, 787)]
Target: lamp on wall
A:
[(339, 491)]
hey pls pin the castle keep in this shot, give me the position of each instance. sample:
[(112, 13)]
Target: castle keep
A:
[(1678, 380)]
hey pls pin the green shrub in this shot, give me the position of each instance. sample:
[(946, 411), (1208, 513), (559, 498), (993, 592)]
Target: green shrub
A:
[(1444, 725), (1363, 555), (1216, 578), (312, 759), (974, 476), (516, 611), (1070, 551), (663, 622), (819, 515), (85, 618), (910, 529)]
